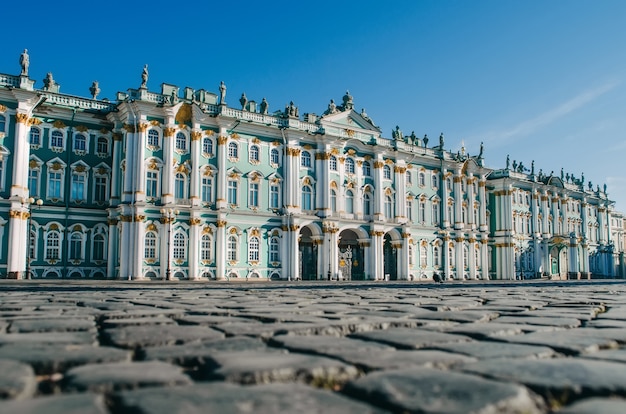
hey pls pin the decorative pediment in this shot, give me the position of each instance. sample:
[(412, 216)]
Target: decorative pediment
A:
[(349, 120)]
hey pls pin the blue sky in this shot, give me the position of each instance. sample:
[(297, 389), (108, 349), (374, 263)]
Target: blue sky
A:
[(539, 80)]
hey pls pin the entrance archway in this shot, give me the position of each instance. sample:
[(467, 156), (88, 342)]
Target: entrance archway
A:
[(390, 255), (558, 261), (307, 250), (351, 259)]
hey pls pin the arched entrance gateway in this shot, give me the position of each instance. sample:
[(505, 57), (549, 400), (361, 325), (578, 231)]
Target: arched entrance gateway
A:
[(307, 250), (351, 261), (390, 256)]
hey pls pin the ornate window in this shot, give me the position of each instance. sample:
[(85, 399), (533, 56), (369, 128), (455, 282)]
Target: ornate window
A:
[(101, 186), (56, 140), (205, 248), (388, 207), (435, 180), (207, 146), (152, 183), (274, 195), (367, 204), (79, 182), (332, 162), (367, 169), (305, 159), (206, 189), (409, 209), (80, 143), (181, 142), (349, 202), (274, 157), (180, 246), (274, 249), (76, 246), (423, 256), (150, 244), (232, 191), (180, 186), (408, 177), (102, 146), (253, 249), (387, 172), (410, 254), (35, 136), (421, 178), (34, 174), (333, 201), (53, 245), (32, 248), (254, 154), (465, 257), (307, 197), (253, 194), (231, 248), (233, 150), (422, 213), (98, 251), (153, 138), (55, 182), (349, 166), (436, 256), (436, 214)]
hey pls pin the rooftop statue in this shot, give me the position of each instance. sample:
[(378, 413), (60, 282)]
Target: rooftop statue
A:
[(413, 138), (347, 101), (222, 93), (441, 141), (144, 77), (94, 89), (532, 167), (48, 82), (243, 101), (425, 140), (508, 162), (264, 105), (396, 133), (332, 108), (24, 62), (482, 148)]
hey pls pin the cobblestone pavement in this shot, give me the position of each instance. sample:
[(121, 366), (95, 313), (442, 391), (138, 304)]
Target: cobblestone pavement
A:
[(185, 347)]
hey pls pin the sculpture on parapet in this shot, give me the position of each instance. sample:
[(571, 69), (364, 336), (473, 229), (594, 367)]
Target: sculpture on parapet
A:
[(222, 93), (348, 103), (48, 82), (24, 62), (425, 140), (482, 149), (332, 107), (144, 77), (291, 110), (604, 186), (441, 141), (532, 167), (508, 161), (413, 138), (264, 106), (396, 134), (590, 186), (243, 101), (94, 89)]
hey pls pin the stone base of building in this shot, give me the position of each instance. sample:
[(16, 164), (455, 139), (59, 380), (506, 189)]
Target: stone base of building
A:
[(573, 275)]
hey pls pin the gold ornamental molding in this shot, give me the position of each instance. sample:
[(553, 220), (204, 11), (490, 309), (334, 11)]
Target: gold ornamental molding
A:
[(378, 164), (400, 170), (112, 221), (151, 227), (221, 140), (209, 132), (155, 123), (129, 128), (221, 223), (3, 108), (143, 127), (81, 128), (195, 135), (168, 132), (21, 118), (194, 221), (34, 121), (117, 136), (207, 230)]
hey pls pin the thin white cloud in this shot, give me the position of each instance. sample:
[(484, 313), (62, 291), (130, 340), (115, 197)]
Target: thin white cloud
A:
[(529, 126)]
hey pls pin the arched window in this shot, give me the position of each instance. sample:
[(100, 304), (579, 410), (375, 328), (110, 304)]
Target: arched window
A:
[(388, 207), (349, 202), (3, 122), (35, 136), (56, 139), (307, 195), (206, 189), (53, 244), (102, 146), (423, 256), (76, 246), (387, 172), (232, 192), (150, 244), (181, 141), (233, 150), (205, 248), (207, 146), (274, 156), (449, 184), (99, 246), (408, 177), (305, 159), (180, 187), (153, 138), (410, 254), (367, 204), (436, 256), (349, 166), (274, 195), (274, 250), (80, 142), (332, 162), (477, 256), (409, 208), (450, 213), (253, 194), (451, 258), (436, 214), (180, 250), (422, 179), (367, 169), (333, 200), (422, 214), (254, 154), (253, 249), (465, 257), (435, 179), (231, 249), (152, 183), (32, 248)]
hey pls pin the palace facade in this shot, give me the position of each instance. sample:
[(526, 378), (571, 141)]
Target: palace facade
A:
[(178, 184)]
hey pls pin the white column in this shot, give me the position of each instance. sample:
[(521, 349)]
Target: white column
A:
[(379, 191), (115, 168), (194, 246), (220, 249), (140, 166), (485, 258), (400, 187), (460, 263), (196, 150), (112, 250), (378, 265), (138, 242), (167, 174), (458, 203)]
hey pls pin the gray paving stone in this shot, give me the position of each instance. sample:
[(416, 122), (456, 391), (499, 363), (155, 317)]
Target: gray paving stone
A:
[(371, 361), (155, 320), (53, 358), (568, 342), (326, 345), (596, 406), (459, 316), (408, 338), (557, 380), (427, 390), (123, 376), (17, 380), (617, 355), (85, 403), (58, 324), (536, 320), (606, 323), (253, 367), (48, 338), (490, 349), (155, 335), (481, 330), (231, 398)]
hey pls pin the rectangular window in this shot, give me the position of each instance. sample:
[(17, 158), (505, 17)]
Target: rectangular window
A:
[(33, 183), (78, 187), (253, 195), (101, 189), (152, 179), (232, 192), (207, 189), (274, 196), (54, 185)]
